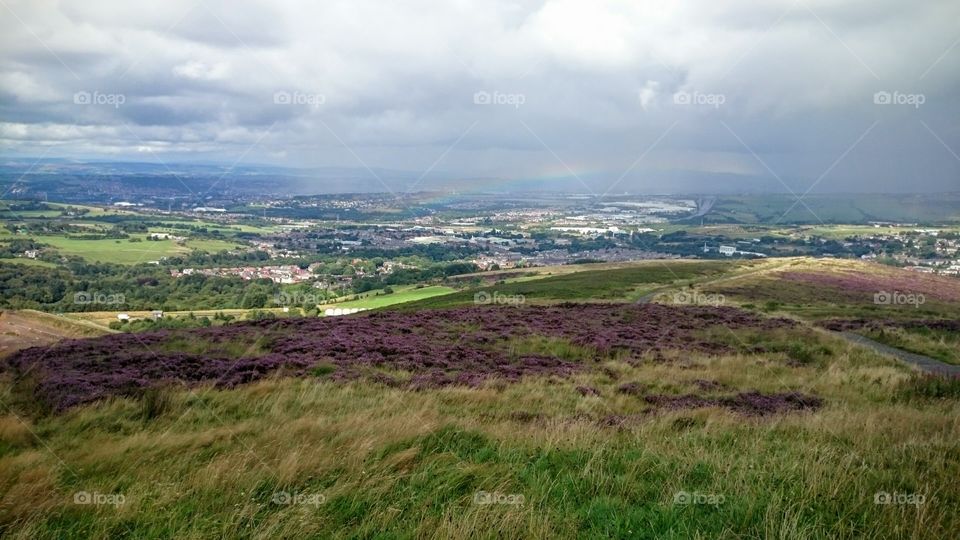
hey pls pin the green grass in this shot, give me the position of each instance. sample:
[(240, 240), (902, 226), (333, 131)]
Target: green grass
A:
[(123, 251), (364, 461), (939, 344), (28, 262), (91, 210), (23, 214), (224, 228), (400, 295), (623, 284)]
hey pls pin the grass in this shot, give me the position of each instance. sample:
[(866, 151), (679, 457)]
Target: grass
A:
[(400, 295), (91, 210), (210, 225), (363, 460), (369, 301), (939, 344), (28, 328), (28, 262), (620, 283), (839, 232), (104, 318), (125, 252), (812, 300)]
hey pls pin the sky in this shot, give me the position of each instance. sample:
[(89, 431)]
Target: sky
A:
[(614, 96)]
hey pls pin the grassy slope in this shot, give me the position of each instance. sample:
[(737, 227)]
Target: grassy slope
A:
[(375, 460), (28, 328), (818, 209), (763, 289), (812, 300), (399, 296), (208, 463), (104, 318), (619, 284)]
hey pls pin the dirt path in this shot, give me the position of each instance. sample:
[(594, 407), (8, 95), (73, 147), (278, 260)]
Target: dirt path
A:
[(924, 363)]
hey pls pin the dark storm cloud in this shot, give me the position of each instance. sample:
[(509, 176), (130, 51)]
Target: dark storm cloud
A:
[(842, 96)]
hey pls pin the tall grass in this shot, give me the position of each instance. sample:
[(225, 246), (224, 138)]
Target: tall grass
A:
[(311, 458)]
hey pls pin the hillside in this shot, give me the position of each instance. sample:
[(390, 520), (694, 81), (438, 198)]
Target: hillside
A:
[(22, 329), (544, 418)]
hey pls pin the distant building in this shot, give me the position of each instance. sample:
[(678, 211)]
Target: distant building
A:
[(157, 314), (123, 317), (729, 251)]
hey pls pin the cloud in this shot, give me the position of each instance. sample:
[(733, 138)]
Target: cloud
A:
[(201, 71), (775, 91)]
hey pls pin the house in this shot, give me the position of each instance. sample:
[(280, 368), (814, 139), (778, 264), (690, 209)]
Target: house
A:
[(123, 317), (160, 236), (729, 251), (157, 314)]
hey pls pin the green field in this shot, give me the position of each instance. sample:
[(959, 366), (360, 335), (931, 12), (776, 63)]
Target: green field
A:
[(92, 211), (628, 283), (123, 251), (120, 251), (224, 228), (399, 296), (28, 262)]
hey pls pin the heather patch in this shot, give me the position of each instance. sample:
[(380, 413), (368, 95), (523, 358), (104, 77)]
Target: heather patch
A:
[(462, 346), (843, 325), (825, 291), (631, 389), (588, 391), (869, 283), (709, 386), (745, 403)]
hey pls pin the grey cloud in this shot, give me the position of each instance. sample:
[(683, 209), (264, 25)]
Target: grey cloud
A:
[(599, 84)]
